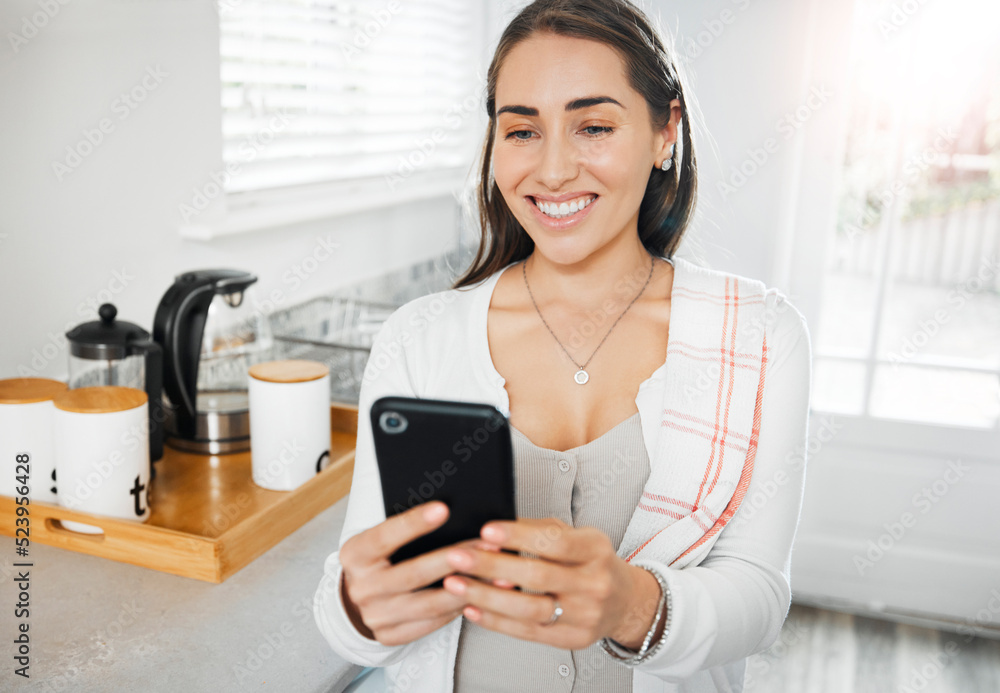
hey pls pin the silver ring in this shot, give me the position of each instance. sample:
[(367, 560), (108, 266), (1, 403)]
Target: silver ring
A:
[(556, 613)]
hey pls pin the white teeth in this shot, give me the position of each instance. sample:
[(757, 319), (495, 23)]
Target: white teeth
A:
[(564, 209)]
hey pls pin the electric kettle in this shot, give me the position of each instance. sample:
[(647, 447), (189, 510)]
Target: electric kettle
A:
[(115, 352), (211, 335)]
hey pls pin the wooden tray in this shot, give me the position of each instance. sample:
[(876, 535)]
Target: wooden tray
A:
[(208, 518)]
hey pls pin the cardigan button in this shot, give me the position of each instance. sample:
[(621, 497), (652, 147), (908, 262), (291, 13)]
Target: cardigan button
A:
[(563, 670), (564, 465)]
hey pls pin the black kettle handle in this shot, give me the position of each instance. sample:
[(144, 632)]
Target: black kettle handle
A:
[(179, 327)]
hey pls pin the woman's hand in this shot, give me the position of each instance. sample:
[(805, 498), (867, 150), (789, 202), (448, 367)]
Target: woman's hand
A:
[(384, 600), (601, 595)]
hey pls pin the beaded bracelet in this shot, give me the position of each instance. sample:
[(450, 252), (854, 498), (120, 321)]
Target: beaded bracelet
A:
[(633, 658)]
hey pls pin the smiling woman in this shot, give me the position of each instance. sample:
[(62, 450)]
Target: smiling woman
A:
[(630, 567)]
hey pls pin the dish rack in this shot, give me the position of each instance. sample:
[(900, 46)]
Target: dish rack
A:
[(335, 330)]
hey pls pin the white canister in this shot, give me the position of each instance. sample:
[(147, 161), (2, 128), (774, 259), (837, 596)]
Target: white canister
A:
[(102, 453), (289, 422), (26, 421)]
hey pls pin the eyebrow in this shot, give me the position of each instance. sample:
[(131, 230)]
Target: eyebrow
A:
[(574, 105)]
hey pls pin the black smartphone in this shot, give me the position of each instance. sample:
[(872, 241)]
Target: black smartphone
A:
[(459, 453)]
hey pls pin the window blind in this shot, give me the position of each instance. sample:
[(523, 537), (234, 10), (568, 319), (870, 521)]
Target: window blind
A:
[(318, 91)]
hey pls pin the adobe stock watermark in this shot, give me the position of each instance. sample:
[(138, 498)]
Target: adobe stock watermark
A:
[(597, 487), (961, 294), (426, 313), (925, 500), (899, 15), (759, 665), (227, 6), (103, 469), (229, 514), (747, 332), (86, 309), (916, 164), (249, 150), (33, 24), (295, 276), (268, 474), (627, 288), (795, 460), (435, 479), (366, 33), (787, 126), (122, 106), (454, 116), (920, 677)]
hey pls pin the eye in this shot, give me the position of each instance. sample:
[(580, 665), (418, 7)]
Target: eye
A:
[(515, 132), (598, 130)]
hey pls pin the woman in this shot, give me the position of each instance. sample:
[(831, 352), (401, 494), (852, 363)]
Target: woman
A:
[(628, 467)]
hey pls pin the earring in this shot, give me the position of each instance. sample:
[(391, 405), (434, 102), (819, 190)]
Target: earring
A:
[(669, 161)]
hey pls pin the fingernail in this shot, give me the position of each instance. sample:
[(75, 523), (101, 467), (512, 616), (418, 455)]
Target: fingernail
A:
[(455, 585), (493, 533), (471, 613), (434, 513)]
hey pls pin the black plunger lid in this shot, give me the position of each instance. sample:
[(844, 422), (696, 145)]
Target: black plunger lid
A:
[(106, 338)]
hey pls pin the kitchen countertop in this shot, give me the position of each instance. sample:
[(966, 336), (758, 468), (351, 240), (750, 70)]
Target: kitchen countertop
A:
[(97, 625)]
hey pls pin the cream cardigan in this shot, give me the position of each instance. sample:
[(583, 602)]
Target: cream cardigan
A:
[(731, 595)]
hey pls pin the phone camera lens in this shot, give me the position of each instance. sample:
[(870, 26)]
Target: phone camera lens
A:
[(392, 422)]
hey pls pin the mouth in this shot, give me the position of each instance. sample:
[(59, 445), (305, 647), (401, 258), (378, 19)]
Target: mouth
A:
[(563, 210)]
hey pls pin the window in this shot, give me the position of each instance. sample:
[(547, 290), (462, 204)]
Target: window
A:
[(910, 319), (328, 105)]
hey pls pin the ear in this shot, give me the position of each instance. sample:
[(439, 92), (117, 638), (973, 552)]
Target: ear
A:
[(667, 137)]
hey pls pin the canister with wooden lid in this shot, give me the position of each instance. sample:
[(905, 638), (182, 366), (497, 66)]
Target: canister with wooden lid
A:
[(289, 422), (27, 458), (102, 453)]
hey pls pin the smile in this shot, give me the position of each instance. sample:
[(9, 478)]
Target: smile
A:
[(563, 209)]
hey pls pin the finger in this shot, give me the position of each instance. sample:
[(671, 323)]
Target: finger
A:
[(382, 540), (408, 632), (419, 571), (530, 573), (422, 605), (525, 607), (549, 538), (499, 582), (561, 635)]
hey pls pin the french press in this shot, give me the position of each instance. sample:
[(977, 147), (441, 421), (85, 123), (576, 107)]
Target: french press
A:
[(114, 352)]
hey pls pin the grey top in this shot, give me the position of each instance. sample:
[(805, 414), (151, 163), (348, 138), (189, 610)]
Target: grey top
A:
[(594, 485)]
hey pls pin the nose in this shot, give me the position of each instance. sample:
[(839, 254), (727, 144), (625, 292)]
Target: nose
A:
[(559, 162)]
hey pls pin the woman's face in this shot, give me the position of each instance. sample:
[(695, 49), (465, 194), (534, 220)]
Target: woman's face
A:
[(574, 145)]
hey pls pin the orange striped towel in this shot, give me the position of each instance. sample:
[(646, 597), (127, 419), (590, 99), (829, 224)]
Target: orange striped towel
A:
[(714, 382)]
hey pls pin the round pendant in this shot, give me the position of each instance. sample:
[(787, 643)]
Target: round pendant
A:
[(581, 377)]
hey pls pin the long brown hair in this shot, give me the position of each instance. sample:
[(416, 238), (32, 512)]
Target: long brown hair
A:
[(669, 200)]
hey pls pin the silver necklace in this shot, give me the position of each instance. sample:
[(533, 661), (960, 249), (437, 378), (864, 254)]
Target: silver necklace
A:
[(581, 376)]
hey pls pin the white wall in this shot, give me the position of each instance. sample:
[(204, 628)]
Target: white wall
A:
[(65, 242)]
